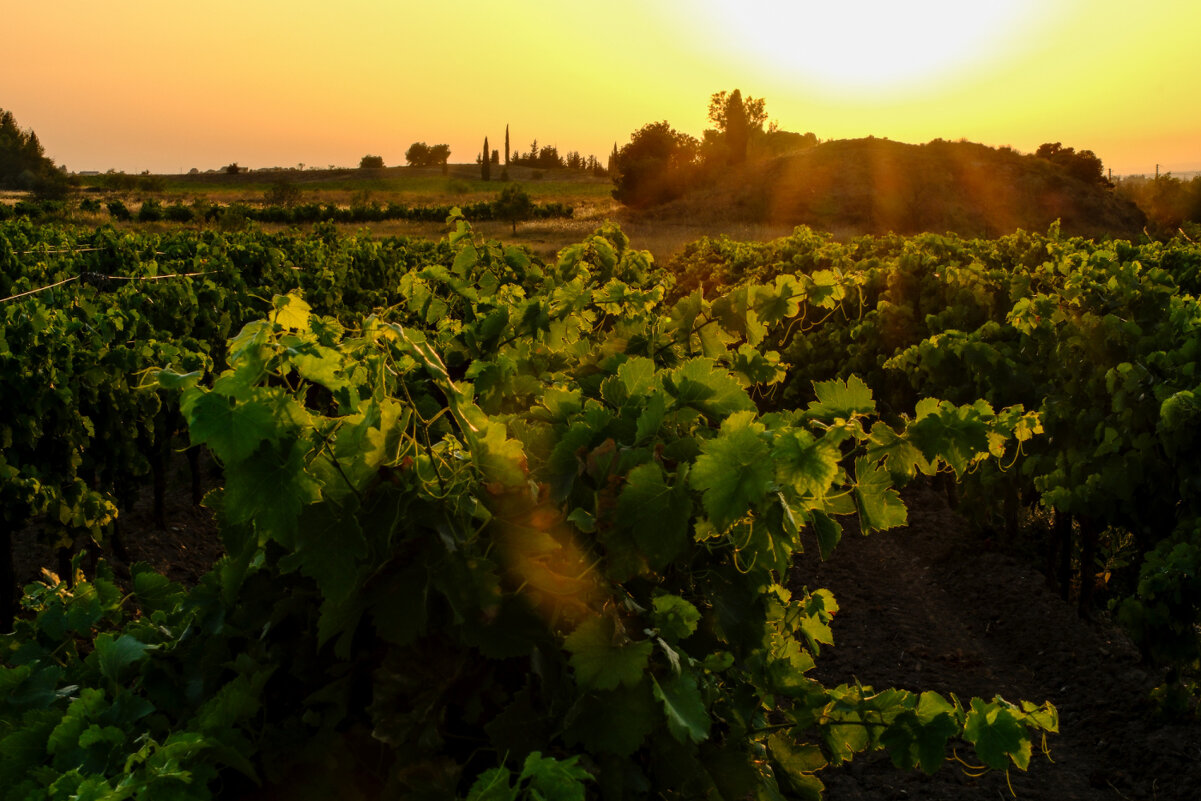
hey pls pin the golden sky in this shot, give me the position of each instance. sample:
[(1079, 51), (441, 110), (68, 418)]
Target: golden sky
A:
[(165, 87)]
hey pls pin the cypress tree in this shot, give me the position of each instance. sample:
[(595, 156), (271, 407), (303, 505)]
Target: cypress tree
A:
[(506, 145), (486, 162)]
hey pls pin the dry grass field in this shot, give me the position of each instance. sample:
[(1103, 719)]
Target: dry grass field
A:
[(589, 195)]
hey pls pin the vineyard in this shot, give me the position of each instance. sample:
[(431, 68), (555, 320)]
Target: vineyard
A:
[(504, 528)]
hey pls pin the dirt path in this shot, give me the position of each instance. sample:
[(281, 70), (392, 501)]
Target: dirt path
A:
[(928, 608)]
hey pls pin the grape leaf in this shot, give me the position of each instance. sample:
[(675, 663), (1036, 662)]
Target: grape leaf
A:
[(997, 735), (681, 699), (806, 463), (552, 779), (232, 430), (655, 514), (613, 721), (270, 488), (675, 617), (837, 399), (602, 660), (880, 506), (828, 531), (116, 653), (703, 385), (734, 470)]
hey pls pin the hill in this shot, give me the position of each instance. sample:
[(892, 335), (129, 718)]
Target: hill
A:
[(855, 186)]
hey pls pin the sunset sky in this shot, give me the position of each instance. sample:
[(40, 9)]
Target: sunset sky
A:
[(167, 87)]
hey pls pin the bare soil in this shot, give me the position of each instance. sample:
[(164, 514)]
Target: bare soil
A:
[(930, 607)]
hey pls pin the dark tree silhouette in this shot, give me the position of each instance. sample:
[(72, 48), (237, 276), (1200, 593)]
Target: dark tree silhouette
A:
[(659, 164), (736, 120), (23, 163), (420, 154), (486, 162), (1083, 164)]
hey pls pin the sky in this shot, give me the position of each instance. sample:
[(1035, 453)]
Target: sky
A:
[(168, 87)]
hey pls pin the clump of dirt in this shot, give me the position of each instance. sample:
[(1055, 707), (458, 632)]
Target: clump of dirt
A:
[(928, 607)]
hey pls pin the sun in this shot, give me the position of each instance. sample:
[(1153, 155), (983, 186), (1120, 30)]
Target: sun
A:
[(869, 46)]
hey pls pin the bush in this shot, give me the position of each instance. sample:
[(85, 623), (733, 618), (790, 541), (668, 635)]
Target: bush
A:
[(282, 193), (151, 211), (178, 212), (119, 211)]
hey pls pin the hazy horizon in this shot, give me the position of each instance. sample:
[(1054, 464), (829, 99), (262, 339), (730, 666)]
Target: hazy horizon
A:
[(146, 87)]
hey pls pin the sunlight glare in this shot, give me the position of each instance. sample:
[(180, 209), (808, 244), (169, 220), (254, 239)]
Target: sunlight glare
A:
[(871, 45)]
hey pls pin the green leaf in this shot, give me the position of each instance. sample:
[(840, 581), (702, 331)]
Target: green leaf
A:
[(465, 261), (1045, 717), (291, 312), (836, 399), (880, 506), (88, 707), (997, 735), (916, 743), (651, 418), (116, 654), (613, 721), (656, 515), (734, 470), (232, 430), (687, 719), (500, 459), (603, 657), (958, 435), (238, 700), (808, 464), (153, 590), (675, 617), (828, 531), (269, 489), (902, 458), (552, 779), (495, 784), (798, 763), (167, 379), (329, 548), (707, 387), (634, 378)]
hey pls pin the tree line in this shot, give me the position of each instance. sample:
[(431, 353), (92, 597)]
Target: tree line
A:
[(660, 163), (23, 162)]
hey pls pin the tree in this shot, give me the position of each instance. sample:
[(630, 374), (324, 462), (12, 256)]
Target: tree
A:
[(659, 164), (1082, 164), (371, 162), (486, 161), (420, 154), (232, 169), (23, 163), (736, 120), (506, 145), (513, 205)]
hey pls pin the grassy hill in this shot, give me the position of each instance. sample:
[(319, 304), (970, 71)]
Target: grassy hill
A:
[(855, 186)]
